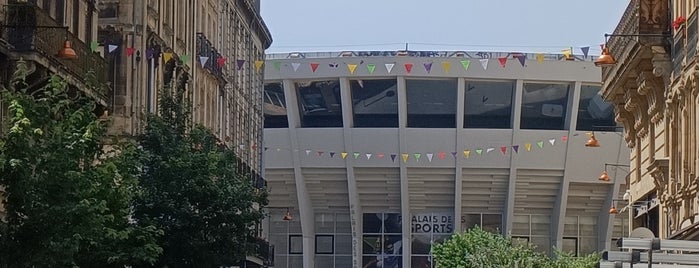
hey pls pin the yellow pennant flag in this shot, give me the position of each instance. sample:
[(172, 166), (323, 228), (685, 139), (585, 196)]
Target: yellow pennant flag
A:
[(540, 57), (405, 157), (528, 146), (344, 155), (351, 68), (567, 53), (446, 66), (167, 56), (467, 154), (258, 65)]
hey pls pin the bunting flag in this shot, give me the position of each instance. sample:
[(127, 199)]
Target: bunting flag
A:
[(240, 63), (295, 65), (111, 48), (332, 154), (253, 147), (149, 53), (333, 65), (351, 68), (585, 50), (503, 149), (184, 59), (429, 157), (389, 67), (258, 65), (466, 63), (408, 67), (467, 154), (94, 45), (567, 52), (428, 67), (487, 151), (393, 157), (167, 56), (368, 156), (484, 63), (356, 155), (314, 66), (220, 61), (515, 148), (528, 146), (343, 154), (380, 155), (446, 66), (266, 148), (564, 138), (522, 59), (417, 156), (479, 151), (405, 157), (371, 68), (540, 143), (203, 60), (242, 146), (453, 154), (441, 155), (552, 141), (130, 51), (540, 57), (308, 152), (320, 153), (277, 65), (503, 61)]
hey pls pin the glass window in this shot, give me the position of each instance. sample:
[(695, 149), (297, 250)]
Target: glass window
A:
[(275, 106), (544, 106), (382, 240), (325, 244), (594, 113), (295, 244), (570, 245), (375, 103), (431, 103), (488, 104), (429, 229), (319, 103)]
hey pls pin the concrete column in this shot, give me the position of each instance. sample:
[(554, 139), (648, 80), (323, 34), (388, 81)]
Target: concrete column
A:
[(508, 214), (354, 202), (458, 161), (404, 194)]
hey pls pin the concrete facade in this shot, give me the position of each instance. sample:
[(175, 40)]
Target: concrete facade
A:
[(422, 184)]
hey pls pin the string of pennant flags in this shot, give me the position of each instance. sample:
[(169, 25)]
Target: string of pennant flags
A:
[(429, 156)]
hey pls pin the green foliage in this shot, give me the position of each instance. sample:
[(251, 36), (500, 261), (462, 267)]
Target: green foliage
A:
[(68, 197), (193, 191), (477, 248)]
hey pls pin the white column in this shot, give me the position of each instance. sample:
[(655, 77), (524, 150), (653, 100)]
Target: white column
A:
[(458, 161), (404, 194)]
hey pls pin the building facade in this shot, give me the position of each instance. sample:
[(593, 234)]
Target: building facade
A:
[(371, 157), (653, 86)]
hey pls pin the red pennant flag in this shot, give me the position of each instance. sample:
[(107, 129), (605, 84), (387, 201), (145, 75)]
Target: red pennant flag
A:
[(503, 61), (320, 153), (408, 67), (314, 66), (441, 155), (221, 61), (503, 149), (130, 51), (564, 138)]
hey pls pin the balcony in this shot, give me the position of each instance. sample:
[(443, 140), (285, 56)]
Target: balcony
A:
[(34, 35), (206, 49), (265, 252)]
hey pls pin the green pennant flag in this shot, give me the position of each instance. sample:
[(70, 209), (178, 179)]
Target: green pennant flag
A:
[(540, 143), (465, 64), (356, 155), (417, 156), (277, 65), (371, 68), (184, 58), (479, 151), (93, 46)]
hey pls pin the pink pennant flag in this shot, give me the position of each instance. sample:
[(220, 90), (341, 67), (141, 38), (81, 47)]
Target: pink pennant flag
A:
[(503, 149), (408, 67), (320, 153), (441, 155), (314, 66), (503, 61), (564, 138), (380, 155)]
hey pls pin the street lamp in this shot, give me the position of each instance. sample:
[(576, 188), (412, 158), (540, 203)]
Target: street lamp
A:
[(606, 58)]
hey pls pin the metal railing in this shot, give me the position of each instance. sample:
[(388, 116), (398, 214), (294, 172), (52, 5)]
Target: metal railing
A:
[(206, 49), (692, 36), (620, 46), (429, 54), (265, 251)]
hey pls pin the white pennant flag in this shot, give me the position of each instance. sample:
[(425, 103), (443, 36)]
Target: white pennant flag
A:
[(112, 48), (295, 65), (308, 152), (484, 63), (203, 60), (389, 67), (242, 146), (429, 157), (490, 150), (368, 156), (552, 141)]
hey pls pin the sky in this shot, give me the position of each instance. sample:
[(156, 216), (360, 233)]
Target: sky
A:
[(546, 26)]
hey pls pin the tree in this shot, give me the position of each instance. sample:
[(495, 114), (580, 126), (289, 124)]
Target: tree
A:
[(477, 248), (194, 192), (68, 197)]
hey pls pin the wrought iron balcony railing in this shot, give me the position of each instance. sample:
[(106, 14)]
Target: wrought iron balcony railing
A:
[(265, 251), (27, 28), (206, 49), (692, 37)]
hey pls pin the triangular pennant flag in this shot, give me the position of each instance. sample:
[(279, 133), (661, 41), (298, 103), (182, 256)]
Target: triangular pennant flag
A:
[(393, 157), (167, 56), (484, 63), (585, 50), (429, 157), (417, 156), (94, 45), (503, 149), (453, 154), (371, 67), (522, 59), (240, 63), (320, 153), (130, 51), (220, 61), (351, 68), (489, 150), (479, 151), (266, 148), (332, 154), (515, 148), (356, 155), (567, 53), (184, 58), (552, 141), (253, 147), (277, 65), (540, 143), (333, 65), (368, 156), (446, 66), (466, 63), (344, 155), (405, 157), (389, 67), (279, 149), (503, 61), (258, 64), (408, 67), (149, 53), (441, 155), (540, 57), (314, 66), (467, 154), (295, 65), (380, 155), (112, 48), (564, 138), (528, 146), (308, 152), (428, 66), (203, 60)]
